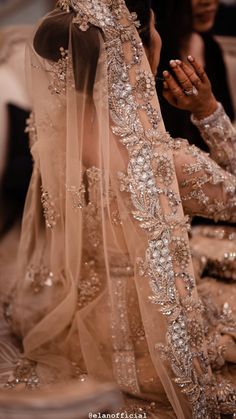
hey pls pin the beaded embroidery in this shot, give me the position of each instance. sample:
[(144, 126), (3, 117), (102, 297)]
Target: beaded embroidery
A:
[(164, 170), (89, 285), (39, 278), (162, 264), (146, 200), (201, 173), (145, 85), (58, 72), (78, 196), (50, 214), (220, 136), (24, 373), (31, 129), (180, 251), (124, 364)]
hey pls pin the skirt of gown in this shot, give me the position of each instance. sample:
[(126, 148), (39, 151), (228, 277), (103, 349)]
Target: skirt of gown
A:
[(214, 256)]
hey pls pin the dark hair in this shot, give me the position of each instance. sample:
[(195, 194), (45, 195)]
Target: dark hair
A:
[(174, 23), (18, 168), (53, 34), (143, 10)]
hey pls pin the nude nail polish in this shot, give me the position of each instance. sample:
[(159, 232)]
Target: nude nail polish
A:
[(173, 63)]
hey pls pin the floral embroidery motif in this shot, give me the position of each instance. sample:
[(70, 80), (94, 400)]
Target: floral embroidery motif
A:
[(180, 251), (59, 71), (147, 197), (202, 172), (226, 395), (89, 285), (141, 183), (220, 135), (78, 196), (39, 278), (145, 85), (196, 332), (64, 5), (163, 169), (50, 213), (24, 373), (152, 113)]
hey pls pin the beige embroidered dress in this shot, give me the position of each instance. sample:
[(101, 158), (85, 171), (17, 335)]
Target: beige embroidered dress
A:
[(105, 284)]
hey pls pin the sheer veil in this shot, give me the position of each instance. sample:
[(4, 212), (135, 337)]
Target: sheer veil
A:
[(105, 283)]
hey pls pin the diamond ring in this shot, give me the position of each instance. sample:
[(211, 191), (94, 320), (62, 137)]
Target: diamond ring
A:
[(191, 92)]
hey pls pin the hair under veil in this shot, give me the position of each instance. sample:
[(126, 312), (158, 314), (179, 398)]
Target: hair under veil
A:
[(105, 282)]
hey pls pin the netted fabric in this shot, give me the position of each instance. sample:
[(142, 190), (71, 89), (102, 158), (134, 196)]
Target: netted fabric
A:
[(105, 283)]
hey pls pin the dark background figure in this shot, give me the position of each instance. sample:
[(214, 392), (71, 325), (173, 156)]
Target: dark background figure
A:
[(180, 25), (226, 18), (18, 168)]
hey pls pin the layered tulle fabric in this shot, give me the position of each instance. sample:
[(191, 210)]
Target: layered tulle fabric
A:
[(105, 284)]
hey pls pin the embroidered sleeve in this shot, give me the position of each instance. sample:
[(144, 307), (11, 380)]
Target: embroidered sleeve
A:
[(220, 136), (206, 189)]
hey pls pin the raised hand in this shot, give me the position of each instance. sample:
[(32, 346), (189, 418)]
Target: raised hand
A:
[(189, 88)]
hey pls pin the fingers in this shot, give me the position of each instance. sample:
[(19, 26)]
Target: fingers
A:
[(185, 75), (169, 97), (181, 77), (170, 83), (198, 68)]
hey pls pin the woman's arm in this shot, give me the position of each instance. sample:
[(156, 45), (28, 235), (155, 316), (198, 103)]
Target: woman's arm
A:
[(220, 136), (190, 90), (205, 188)]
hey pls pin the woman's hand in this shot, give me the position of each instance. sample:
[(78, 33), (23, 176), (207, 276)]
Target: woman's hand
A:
[(189, 89)]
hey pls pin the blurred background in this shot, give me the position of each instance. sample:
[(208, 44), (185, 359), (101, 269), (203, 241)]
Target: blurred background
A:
[(18, 12)]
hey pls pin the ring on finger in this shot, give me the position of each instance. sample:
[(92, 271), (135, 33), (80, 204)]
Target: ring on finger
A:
[(191, 92)]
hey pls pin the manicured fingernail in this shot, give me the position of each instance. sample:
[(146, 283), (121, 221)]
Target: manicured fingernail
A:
[(190, 58), (165, 73), (178, 62), (173, 63)]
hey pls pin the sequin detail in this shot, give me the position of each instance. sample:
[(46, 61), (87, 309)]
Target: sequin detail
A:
[(146, 197), (220, 136), (78, 196), (89, 285), (145, 85), (180, 251), (59, 71), (31, 129), (201, 173), (123, 359), (39, 278), (163, 169), (24, 374), (50, 213)]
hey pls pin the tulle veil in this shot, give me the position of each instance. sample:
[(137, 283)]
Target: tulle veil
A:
[(105, 284)]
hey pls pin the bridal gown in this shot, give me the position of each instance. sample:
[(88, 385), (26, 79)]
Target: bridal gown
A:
[(209, 244), (104, 286)]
